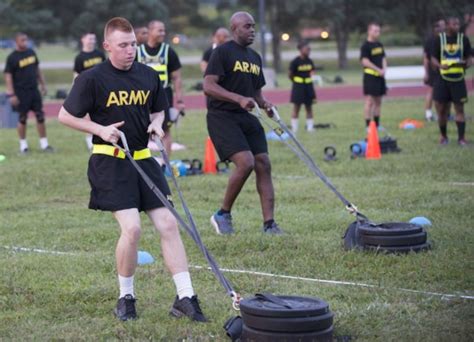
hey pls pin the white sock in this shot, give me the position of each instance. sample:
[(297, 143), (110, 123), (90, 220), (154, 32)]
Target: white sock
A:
[(126, 286), (23, 144), (429, 113), (89, 141), (310, 124), (294, 125), (43, 143), (183, 284)]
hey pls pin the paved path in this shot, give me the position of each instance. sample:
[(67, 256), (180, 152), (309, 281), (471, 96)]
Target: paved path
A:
[(282, 96), (286, 56)]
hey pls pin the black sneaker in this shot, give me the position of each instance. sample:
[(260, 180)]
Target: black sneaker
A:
[(48, 149), (125, 309), (188, 307)]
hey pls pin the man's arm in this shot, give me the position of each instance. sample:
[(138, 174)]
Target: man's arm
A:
[(10, 89), (213, 89), (156, 125), (427, 66), (178, 88), (107, 133), (42, 82), (263, 103), (385, 65), (366, 63)]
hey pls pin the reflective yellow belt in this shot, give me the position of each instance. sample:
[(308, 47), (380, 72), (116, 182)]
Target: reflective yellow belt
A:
[(371, 72), (298, 79), (452, 69), (110, 150)]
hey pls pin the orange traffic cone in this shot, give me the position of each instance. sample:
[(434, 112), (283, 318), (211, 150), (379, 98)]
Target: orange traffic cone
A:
[(209, 157), (373, 144)]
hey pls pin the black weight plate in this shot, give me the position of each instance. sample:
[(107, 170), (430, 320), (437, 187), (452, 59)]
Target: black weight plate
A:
[(400, 249), (300, 307), (389, 228), (395, 240), (250, 335), (289, 324)]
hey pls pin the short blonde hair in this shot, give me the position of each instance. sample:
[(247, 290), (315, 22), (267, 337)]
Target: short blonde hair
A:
[(117, 24)]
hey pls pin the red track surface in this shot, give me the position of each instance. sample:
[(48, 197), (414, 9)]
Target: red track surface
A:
[(278, 96)]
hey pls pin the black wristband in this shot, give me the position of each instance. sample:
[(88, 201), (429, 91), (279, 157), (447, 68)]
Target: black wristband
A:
[(10, 95)]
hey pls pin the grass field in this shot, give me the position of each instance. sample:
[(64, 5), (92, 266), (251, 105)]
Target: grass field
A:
[(70, 297)]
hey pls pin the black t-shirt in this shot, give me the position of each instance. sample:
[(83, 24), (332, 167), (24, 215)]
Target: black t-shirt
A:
[(173, 60), (240, 71), (86, 60), (301, 67), (452, 41), (206, 56), (23, 65), (111, 95), (428, 46), (374, 52)]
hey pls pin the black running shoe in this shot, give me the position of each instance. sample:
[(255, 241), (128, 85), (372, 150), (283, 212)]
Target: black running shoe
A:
[(125, 309), (188, 307)]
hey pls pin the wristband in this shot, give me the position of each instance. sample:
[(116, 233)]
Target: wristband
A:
[(10, 95)]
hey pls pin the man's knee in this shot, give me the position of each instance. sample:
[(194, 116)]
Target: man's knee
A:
[(244, 161), (22, 118), (39, 116), (132, 232), (168, 226), (263, 164)]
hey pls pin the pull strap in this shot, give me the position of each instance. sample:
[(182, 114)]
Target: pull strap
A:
[(273, 299)]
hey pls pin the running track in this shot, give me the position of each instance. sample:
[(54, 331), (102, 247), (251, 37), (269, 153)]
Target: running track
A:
[(282, 96)]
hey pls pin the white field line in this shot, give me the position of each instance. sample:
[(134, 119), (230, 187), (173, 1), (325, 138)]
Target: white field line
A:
[(462, 183), (272, 275)]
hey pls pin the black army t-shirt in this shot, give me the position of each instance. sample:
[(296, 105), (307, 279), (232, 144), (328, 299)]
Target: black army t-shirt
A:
[(23, 65), (302, 67), (111, 95), (206, 56), (374, 52), (86, 60), (240, 71)]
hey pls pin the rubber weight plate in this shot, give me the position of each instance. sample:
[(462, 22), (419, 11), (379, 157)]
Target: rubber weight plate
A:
[(300, 307), (394, 240), (289, 324), (249, 334), (399, 249), (389, 228)]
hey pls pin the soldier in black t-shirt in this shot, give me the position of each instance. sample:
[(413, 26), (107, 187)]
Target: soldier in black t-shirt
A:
[(121, 93), (233, 82), (22, 74), (86, 59), (451, 56), (372, 57), (430, 72), (161, 57), (221, 35), (302, 90)]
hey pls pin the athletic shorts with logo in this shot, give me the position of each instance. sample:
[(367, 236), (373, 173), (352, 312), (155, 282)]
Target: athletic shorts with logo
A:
[(236, 132), (302, 93), (447, 91), (116, 184), (374, 85), (30, 99)]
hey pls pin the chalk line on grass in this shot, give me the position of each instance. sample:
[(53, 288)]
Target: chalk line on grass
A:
[(272, 275)]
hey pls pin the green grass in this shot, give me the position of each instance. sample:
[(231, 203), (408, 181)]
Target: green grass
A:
[(69, 297)]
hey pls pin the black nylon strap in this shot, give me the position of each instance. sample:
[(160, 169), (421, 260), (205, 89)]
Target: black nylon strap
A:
[(273, 299)]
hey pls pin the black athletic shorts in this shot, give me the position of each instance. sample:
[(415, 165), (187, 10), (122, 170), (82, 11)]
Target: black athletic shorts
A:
[(302, 93), (236, 132), (116, 184), (167, 123), (30, 99), (432, 74), (447, 91), (374, 86)]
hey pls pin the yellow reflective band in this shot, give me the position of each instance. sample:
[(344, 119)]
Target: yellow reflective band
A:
[(371, 72), (112, 151), (306, 80)]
